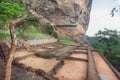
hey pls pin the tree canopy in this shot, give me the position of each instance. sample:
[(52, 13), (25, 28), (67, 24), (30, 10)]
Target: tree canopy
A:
[(108, 43), (9, 10)]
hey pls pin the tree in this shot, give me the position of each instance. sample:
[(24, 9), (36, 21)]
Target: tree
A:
[(10, 14), (8, 11), (13, 48), (108, 43)]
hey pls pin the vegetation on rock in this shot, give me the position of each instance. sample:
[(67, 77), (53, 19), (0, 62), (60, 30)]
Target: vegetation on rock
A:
[(67, 42), (11, 15), (10, 9), (50, 30)]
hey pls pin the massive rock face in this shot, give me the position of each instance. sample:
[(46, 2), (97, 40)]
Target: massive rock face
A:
[(71, 17)]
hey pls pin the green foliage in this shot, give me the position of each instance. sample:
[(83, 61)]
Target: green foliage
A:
[(49, 28), (3, 28), (9, 11), (108, 43), (30, 32), (31, 20), (4, 35), (118, 56), (55, 34), (28, 26), (67, 42)]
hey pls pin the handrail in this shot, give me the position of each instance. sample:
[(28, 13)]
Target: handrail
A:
[(92, 71)]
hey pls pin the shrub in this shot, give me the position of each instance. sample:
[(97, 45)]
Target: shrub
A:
[(49, 28)]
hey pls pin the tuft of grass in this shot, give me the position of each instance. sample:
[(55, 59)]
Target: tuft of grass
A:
[(67, 42)]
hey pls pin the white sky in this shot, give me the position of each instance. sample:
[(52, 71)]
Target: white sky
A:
[(100, 17)]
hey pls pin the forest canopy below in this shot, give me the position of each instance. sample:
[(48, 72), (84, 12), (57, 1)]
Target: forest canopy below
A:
[(107, 42)]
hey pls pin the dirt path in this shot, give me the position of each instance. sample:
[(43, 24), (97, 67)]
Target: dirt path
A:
[(74, 70), (82, 56), (76, 62), (71, 70), (104, 71), (78, 50)]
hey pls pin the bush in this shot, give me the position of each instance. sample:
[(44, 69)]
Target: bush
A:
[(55, 35), (108, 43), (49, 28)]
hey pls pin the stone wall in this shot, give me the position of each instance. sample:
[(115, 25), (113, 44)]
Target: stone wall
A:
[(40, 41)]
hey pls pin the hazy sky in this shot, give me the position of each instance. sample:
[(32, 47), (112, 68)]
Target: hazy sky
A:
[(100, 17)]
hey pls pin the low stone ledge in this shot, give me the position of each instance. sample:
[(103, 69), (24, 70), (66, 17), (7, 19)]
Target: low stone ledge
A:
[(41, 41)]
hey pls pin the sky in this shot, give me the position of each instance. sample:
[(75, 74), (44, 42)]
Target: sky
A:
[(100, 17)]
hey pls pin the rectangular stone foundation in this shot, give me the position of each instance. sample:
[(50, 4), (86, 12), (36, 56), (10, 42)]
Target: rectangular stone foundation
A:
[(30, 60)]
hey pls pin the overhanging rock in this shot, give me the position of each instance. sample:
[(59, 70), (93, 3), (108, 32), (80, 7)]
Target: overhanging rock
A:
[(64, 12)]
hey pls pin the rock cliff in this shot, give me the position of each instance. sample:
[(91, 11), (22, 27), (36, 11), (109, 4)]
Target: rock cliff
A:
[(70, 17)]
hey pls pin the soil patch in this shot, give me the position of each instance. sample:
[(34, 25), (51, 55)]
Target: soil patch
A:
[(30, 60), (82, 56), (73, 70), (80, 51)]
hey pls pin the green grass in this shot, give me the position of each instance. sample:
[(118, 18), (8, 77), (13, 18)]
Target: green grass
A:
[(32, 33), (39, 35), (67, 42), (3, 28), (35, 34), (4, 35)]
